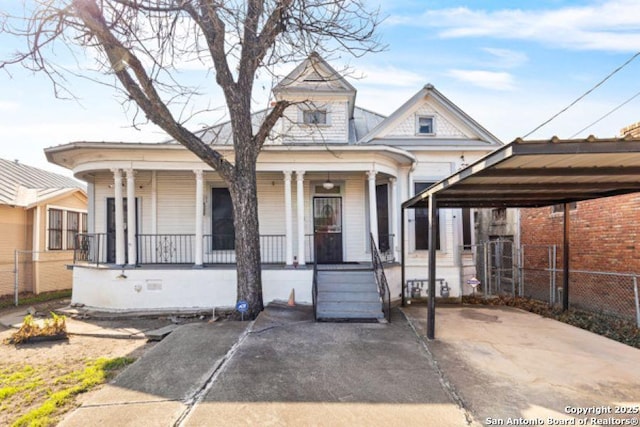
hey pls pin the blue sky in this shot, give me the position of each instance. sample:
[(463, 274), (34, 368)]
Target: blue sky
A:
[(509, 65)]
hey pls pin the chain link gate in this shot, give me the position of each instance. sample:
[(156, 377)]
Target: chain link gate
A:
[(501, 257)]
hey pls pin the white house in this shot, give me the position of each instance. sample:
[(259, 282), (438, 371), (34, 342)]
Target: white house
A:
[(331, 175)]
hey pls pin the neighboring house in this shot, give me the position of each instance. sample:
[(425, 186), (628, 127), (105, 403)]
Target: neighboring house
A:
[(40, 214), (330, 175)]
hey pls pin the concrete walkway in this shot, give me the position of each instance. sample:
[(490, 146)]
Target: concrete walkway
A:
[(505, 364), (487, 366), (283, 369)]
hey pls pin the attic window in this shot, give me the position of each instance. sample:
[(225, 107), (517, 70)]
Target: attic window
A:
[(314, 77), (314, 117), (424, 125)]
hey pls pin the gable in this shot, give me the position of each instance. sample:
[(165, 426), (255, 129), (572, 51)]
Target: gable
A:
[(313, 75), (446, 124)]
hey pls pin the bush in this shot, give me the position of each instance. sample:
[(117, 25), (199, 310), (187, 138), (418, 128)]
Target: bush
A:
[(54, 327)]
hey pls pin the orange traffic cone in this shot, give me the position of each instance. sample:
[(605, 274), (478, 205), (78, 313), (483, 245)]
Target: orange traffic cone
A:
[(292, 298)]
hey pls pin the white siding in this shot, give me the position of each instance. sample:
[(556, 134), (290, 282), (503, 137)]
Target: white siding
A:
[(176, 202), (293, 131), (355, 215), (271, 203), (443, 127), (103, 188)]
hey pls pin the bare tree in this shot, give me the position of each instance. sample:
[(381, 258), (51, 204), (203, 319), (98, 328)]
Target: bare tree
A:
[(139, 47)]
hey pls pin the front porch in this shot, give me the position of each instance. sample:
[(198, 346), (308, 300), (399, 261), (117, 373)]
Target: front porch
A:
[(180, 250)]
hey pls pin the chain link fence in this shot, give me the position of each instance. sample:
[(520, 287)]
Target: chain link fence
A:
[(35, 272), (532, 271), (610, 293)]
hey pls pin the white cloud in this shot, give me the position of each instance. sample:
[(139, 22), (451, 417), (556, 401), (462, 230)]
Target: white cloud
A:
[(486, 79), (506, 58), (7, 106), (606, 26), (390, 76)]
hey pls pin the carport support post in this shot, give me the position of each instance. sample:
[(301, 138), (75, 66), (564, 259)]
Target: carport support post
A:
[(433, 229), (565, 259)]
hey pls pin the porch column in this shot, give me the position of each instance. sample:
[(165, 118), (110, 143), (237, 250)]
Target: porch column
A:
[(373, 212), (198, 219), (288, 219), (131, 217), (119, 214), (394, 218), (300, 188)]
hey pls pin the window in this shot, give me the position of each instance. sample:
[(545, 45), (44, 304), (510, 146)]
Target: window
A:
[(424, 125), (382, 208), (467, 230), (73, 226), (314, 117), (223, 231), (422, 222), (85, 226), (55, 229), (559, 209), (62, 228)]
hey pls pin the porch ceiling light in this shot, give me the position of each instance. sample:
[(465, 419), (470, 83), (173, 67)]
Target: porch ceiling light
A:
[(327, 185)]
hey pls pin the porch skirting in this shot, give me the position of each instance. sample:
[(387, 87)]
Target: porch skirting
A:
[(115, 289)]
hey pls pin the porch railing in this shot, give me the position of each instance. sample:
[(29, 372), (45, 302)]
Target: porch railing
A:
[(166, 248), (90, 248), (314, 291), (381, 280), (386, 243)]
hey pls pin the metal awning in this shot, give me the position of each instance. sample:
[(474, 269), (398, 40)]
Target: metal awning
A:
[(541, 173), (526, 174)]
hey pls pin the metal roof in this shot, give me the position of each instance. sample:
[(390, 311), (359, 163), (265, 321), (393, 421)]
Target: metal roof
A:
[(22, 185), (541, 173)]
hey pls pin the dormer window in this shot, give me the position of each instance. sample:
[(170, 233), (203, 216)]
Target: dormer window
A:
[(425, 125), (314, 117)]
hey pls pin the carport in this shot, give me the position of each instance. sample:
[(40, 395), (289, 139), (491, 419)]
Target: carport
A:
[(529, 174)]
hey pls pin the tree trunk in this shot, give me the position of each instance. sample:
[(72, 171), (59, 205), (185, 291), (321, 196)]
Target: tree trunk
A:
[(245, 214)]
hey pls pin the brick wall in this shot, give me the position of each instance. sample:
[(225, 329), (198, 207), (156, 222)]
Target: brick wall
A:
[(603, 233)]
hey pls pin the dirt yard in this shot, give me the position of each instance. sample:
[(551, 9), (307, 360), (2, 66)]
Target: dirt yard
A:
[(30, 373)]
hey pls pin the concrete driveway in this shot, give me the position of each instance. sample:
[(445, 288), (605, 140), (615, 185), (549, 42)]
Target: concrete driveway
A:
[(506, 364), (282, 369), (488, 366)]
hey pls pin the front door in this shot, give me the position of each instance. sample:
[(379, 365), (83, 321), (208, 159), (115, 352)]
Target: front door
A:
[(111, 228), (327, 229)]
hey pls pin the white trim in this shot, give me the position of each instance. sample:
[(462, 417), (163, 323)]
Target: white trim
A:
[(36, 234), (198, 217), (64, 210), (288, 219), (300, 207), (417, 124)]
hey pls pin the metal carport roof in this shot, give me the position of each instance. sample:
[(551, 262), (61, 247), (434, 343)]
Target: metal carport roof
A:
[(534, 174)]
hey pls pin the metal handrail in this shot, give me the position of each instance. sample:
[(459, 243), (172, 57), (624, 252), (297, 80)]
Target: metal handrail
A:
[(88, 248), (381, 280), (314, 290)]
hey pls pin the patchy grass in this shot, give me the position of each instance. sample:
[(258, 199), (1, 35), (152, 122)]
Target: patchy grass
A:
[(38, 396), (609, 326), (26, 299)]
